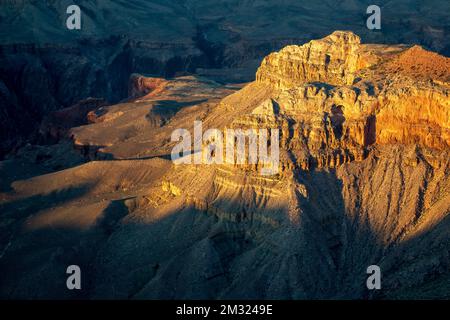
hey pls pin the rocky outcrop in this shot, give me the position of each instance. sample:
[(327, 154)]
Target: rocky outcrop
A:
[(333, 60), (363, 180), (415, 113), (340, 97), (50, 68), (325, 120), (141, 86)]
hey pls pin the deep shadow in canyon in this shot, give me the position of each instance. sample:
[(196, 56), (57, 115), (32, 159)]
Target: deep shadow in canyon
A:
[(197, 254)]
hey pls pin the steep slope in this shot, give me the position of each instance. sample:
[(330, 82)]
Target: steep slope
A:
[(364, 178)]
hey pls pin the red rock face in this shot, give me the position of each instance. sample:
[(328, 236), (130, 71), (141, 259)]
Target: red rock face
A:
[(383, 98), (419, 63), (145, 87)]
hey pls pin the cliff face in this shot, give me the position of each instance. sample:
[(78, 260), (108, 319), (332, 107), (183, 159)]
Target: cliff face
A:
[(342, 97), (412, 113), (364, 179), (333, 60)]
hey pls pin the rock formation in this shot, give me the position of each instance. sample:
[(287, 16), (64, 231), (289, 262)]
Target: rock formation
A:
[(344, 99), (45, 67), (333, 60), (364, 179)]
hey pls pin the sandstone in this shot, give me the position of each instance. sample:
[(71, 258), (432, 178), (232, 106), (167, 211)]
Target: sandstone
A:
[(332, 60), (364, 179)]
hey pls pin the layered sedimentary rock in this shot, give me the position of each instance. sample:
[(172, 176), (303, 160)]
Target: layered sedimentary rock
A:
[(363, 179), (341, 97), (333, 60), (50, 67)]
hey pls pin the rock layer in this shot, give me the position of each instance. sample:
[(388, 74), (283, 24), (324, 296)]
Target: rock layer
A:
[(333, 60), (364, 179)]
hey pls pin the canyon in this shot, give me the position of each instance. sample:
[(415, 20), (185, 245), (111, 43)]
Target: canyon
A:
[(364, 180), (44, 67)]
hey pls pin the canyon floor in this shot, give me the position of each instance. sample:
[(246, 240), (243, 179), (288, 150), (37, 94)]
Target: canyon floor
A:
[(364, 179)]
